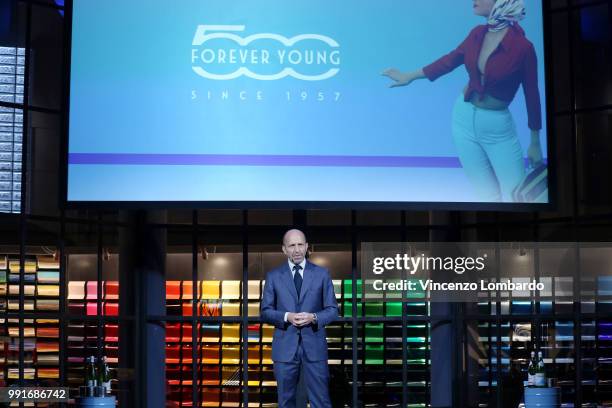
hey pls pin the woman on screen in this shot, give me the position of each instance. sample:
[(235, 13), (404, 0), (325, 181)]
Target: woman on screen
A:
[(498, 58)]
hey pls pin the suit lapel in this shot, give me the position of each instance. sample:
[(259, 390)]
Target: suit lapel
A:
[(308, 271), (287, 278)]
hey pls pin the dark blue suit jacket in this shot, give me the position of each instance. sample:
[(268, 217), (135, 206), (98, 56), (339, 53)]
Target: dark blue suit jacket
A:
[(317, 296)]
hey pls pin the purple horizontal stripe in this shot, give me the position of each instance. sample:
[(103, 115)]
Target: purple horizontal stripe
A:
[(262, 160), (604, 337)]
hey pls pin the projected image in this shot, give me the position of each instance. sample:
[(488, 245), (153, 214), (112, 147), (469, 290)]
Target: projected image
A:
[(498, 58), (273, 101)]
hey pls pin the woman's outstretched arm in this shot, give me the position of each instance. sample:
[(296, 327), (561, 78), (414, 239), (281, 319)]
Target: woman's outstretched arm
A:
[(433, 71), (402, 78)]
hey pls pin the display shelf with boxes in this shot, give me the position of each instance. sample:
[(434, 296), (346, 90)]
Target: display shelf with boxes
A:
[(556, 340), (380, 358), (222, 332), (494, 358), (600, 373), (41, 336), (85, 335), (218, 303), (4, 329), (219, 343), (12, 78)]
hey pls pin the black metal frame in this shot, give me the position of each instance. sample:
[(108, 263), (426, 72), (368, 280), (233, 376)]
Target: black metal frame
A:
[(244, 320), (354, 320)]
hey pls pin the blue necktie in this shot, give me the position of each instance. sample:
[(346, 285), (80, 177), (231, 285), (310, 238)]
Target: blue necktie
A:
[(297, 278)]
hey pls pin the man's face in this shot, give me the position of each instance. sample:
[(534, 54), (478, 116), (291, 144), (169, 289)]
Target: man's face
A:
[(295, 246)]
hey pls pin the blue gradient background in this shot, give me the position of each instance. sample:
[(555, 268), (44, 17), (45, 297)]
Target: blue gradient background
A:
[(132, 79)]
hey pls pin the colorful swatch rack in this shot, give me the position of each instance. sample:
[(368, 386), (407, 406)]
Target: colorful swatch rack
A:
[(219, 343), (219, 347), (83, 336), (556, 338), (41, 335)]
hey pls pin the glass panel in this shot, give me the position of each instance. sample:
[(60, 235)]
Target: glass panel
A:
[(380, 358), (604, 361), (219, 344), (557, 345), (557, 3), (83, 340), (560, 64), (220, 217), (378, 217), (592, 56), (40, 336), (594, 158), (46, 70), (565, 155)]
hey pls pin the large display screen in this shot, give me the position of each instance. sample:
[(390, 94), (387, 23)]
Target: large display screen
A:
[(311, 101)]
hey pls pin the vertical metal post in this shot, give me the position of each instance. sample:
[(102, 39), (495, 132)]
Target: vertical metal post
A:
[(245, 309), (354, 320)]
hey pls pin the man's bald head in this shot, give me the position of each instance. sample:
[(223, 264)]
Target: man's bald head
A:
[(295, 245), (294, 233)]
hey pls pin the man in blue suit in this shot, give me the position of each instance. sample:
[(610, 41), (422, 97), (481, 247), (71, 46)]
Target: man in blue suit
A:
[(299, 300)]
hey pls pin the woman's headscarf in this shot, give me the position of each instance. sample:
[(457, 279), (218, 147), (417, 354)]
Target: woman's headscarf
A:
[(506, 13)]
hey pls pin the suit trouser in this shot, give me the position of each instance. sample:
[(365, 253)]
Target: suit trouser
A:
[(316, 375), (489, 150)]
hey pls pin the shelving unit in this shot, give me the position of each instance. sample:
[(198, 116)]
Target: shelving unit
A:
[(558, 346), (12, 77), (219, 344), (82, 336), (41, 363), (219, 347)]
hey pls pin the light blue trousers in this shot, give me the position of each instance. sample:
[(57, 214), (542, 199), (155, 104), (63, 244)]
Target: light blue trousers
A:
[(489, 150)]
